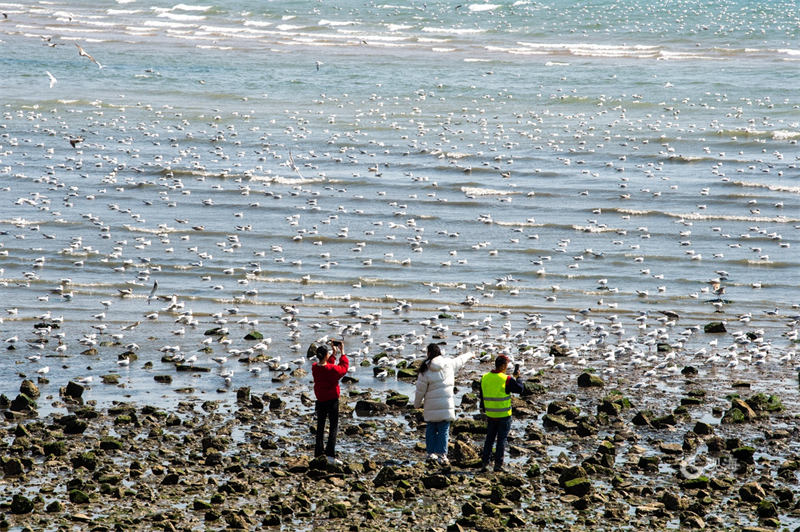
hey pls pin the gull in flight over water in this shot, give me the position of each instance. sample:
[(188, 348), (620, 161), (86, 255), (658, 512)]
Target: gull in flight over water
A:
[(53, 79), (82, 53), (292, 165), (152, 295)]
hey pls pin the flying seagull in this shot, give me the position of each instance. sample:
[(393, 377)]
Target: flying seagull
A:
[(53, 79), (292, 165), (77, 140), (152, 292), (82, 53), (319, 64)]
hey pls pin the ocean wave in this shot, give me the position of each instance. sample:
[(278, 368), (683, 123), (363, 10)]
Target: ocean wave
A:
[(733, 218), (182, 18), (782, 134), (594, 229), (633, 212), (185, 7), (324, 22), (443, 50), (483, 7), (158, 231), (462, 31), (476, 60), (475, 191), (773, 188), (287, 180)]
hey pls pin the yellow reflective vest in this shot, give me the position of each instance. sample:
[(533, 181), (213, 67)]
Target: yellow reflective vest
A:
[(496, 402)]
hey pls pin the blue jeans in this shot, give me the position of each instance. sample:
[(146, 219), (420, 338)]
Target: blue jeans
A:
[(496, 428), (436, 436)]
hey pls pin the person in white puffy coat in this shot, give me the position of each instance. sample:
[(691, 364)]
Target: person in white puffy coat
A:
[(435, 392)]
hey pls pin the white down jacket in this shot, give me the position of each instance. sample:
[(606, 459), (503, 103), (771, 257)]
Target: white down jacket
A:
[(435, 386)]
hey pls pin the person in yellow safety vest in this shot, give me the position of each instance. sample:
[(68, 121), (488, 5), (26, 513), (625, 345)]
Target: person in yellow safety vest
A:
[(496, 390)]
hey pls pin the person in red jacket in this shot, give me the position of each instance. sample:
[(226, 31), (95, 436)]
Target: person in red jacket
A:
[(327, 375)]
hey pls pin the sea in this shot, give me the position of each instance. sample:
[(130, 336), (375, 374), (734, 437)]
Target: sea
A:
[(386, 172)]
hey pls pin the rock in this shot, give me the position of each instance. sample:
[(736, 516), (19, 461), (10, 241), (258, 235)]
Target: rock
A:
[(670, 448), (87, 460), (578, 487), (407, 374), (109, 443), (397, 400), (55, 448), (532, 388), (649, 463), (371, 407), (29, 388), (21, 504), (571, 473), (464, 455), (471, 426), (23, 403), (587, 380), (54, 507), (674, 502), (692, 520), (642, 418), (514, 521), (767, 509), (74, 390), (389, 475), (111, 379), (12, 467), (271, 520), (254, 335), (558, 422), (740, 412), (435, 482), (703, 429), (75, 426), (337, 511), (752, 492), (166, 379), (243, 394), (715, 327), (744, 454), (78, 497)]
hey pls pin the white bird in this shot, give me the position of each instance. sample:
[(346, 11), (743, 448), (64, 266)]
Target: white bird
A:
[(53, 79)]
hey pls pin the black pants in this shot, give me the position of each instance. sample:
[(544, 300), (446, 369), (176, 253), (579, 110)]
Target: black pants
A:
[(327, 409)]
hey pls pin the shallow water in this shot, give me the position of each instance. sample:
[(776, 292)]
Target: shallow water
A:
[(511, 147)]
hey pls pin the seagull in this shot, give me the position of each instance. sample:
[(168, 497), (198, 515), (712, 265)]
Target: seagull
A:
[(53, 79), (82, 53), (294, 166), (319, 64), (152, 292), (75, 141)]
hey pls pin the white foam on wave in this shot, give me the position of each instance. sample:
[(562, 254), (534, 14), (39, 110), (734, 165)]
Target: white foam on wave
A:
[(123, 11), (442, 50), (475, 191), (556, 63), (594, 229), (182, 18), (287, 27), (165, 24), (185, 7), (634, 212), (476, 60), (398, 27), (782, 134), (433, 40), (158, 231), (461, 31), (257, 23), (518, 224), (733, 218), (324, 22), (774, 188), (483, 7), (286, 180)]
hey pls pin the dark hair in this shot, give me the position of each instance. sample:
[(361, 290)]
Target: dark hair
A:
[(433, 352), (322, 352), (500, 361)]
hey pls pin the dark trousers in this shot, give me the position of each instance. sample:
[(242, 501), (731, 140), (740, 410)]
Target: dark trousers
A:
[(327, 410), (496, 428)]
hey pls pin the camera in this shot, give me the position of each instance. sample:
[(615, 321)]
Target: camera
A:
[(516, 369)]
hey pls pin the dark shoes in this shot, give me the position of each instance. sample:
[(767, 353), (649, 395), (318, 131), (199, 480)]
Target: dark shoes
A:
[(499, 469)]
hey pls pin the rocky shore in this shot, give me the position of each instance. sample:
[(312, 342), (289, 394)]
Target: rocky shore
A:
[(585, 453)]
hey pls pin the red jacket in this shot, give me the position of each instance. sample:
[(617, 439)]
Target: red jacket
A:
[(327, 377)]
